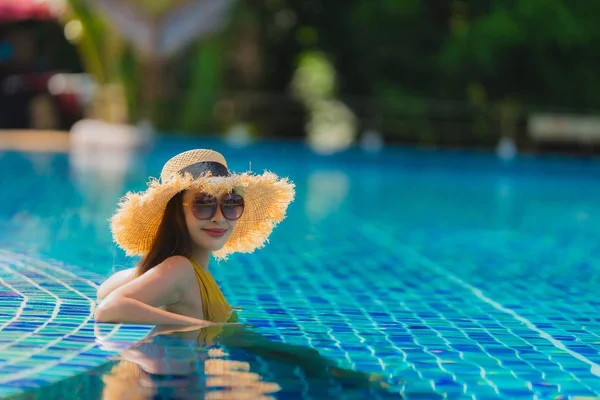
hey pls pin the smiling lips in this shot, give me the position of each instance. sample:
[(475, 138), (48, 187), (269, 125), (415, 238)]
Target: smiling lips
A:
[(215, 232)]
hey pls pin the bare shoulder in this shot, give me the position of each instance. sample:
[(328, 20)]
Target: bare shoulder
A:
[(124, 273), (175, 267), (115, 281), (177, 263)]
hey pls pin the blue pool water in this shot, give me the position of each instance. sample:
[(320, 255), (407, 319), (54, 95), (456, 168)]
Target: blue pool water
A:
[(452, 275)]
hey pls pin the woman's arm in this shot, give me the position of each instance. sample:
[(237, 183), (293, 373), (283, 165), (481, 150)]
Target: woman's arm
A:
[(139, 300), (115, 281)]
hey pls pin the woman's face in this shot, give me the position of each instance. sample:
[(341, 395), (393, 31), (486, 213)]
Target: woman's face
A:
[(210, 234)]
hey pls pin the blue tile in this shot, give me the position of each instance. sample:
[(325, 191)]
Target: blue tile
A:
[(456, 276)]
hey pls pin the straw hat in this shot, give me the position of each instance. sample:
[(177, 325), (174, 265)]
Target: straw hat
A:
[(266, 197)]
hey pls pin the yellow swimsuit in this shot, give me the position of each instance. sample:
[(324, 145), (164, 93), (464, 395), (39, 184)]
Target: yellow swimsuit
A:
[(214, 305)]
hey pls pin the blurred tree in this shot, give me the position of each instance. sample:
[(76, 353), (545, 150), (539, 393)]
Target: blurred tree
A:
[(524, 50), (171, 81), (425, 60), (432, 69), (384, 53), (107, 59)]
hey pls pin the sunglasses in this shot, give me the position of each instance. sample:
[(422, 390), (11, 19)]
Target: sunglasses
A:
[(204, 206)]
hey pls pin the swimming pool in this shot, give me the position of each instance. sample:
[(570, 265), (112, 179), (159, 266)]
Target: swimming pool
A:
[(455, 275)]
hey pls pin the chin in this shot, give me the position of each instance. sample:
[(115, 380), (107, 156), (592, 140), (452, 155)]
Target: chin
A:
[(216, 248), (212, 245)]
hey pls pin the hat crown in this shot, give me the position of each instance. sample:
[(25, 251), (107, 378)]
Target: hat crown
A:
[(190, 157)]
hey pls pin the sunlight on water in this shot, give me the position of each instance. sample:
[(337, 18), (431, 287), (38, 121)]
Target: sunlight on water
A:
[(445, 274)]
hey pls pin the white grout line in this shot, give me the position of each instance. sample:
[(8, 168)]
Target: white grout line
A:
[(595, 368), (39, 368), (14, 256), (20, 309), (27, 372), (52, 342), (24, 263), (54, 314)]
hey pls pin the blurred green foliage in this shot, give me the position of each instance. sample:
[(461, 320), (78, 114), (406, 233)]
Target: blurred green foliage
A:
[(410, 67), (482, 61), (151, 88)]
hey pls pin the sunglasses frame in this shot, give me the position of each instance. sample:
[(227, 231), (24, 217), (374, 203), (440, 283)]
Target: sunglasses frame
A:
[(218, 204)]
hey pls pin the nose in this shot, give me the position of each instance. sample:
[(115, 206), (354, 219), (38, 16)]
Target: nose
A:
[(218, 218)]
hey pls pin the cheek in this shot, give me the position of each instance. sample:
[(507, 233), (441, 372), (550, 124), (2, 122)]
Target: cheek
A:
[(193, 224), (232, 225), (231, 228), (189, 219)]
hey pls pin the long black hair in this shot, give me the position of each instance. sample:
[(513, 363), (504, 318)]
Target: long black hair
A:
[(172, 238)]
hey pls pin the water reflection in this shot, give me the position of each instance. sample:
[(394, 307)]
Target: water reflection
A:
[(100, 176), (326, 192), (230, 363), (104, 174)]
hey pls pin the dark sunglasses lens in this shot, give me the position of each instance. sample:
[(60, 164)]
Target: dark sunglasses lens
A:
[(204, 206), (233, 206)]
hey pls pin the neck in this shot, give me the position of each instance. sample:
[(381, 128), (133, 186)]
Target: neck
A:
[(202, 257)]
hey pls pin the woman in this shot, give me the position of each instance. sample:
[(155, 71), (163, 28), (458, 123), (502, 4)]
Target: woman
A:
[(197, 209)]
